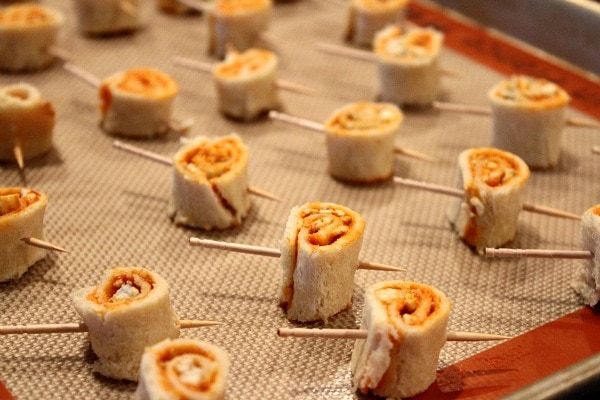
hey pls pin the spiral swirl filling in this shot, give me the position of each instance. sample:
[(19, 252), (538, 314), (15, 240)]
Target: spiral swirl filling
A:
[(125, 285), (494, 169), (408, 304), (325, 226), (526, 89), (415, 44), (212, 159), (26, 15), (14, 200), (188, 367), (243, 64), (366, 117)]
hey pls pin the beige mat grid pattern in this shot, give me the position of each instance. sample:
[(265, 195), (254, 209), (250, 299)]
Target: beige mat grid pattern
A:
[(109, 208)]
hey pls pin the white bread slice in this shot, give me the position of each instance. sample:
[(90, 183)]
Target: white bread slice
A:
[(27, 120), (494, 182), (408, 65), (245, 83), (406, 324), (27, 31), (21, 216), (528, 119), (236, 23), (110, 17), (367, 17), (183, 369), (210, 183), (319, 256), (360, 141), (129, 310), (137, 102), (586, 281)]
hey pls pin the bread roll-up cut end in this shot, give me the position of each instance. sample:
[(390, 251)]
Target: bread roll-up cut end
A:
[(493, 182), (27, 31), (528, 119), (408, 65), (586, 281), (360, 141), (27, 121), (210, 183), (129, 310), (183, 369), (406, 326), (137, 102), (21, 215), (245, 84), (319, 256), (367, 17)]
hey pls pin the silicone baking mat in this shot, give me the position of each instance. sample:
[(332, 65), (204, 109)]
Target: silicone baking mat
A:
[(109, 208)]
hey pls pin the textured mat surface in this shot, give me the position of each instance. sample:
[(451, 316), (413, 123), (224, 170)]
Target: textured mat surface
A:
[(110, 208)]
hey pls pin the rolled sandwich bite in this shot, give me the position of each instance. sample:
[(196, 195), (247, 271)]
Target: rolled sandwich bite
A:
[(27, 31), (319, 255), (129, 310), (493, 181), (360, 141), (366, 17), (236, 23), (26, 120), (408, 65), (110, 17), (528, 119), (245, 83), (406, 324), (137, 102), (183, 369), (587, 278), (21, 216), (210, 183)]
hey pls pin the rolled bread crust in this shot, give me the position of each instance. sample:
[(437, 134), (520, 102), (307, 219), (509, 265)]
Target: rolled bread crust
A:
[(586, 281), (488, 214), (408, 65), (318, 280), (27, 120), (366, 18), (529, 125), (251, 92), (399, 357), (24, 44), (239, 26), (109, 17), (216, 202), (137, 103), (360, 141), (17, 257), (183, 368), (120, 330)]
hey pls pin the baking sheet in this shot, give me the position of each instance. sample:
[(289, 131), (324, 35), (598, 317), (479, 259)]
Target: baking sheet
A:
[(109, 209)]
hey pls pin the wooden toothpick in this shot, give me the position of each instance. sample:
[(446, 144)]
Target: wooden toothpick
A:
[(82, 327), (362, 334), (18, 153), (42, 244), (450, 191), (275, 253), (206, 67), (168, 162), (486, 111), (317, 127), (538, 253), (362, 55)]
